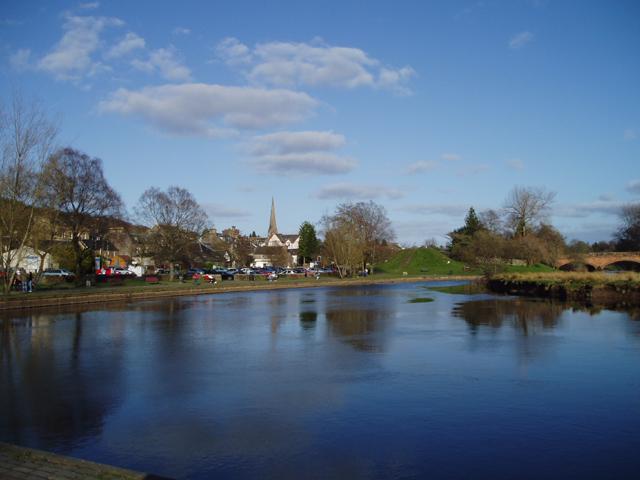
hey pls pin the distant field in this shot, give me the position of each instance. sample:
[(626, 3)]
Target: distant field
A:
[(422, 261)]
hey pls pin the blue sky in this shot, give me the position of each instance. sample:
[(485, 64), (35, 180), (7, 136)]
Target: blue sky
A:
[(427, 108)]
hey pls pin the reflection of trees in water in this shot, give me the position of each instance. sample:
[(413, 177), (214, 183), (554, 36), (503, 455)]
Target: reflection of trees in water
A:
[(308, 320), (54, 390), (364, 329), (524, 314)]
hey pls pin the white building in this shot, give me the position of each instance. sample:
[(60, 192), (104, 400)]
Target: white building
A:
[(28, 259)]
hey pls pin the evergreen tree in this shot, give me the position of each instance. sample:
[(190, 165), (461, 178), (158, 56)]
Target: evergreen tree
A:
[(308, 244), (471, 223)]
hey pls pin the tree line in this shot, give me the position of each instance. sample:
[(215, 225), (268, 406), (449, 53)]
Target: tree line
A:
[(521, 231)]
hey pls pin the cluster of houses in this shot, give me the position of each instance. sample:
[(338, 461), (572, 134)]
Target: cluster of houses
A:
[(120, 246)]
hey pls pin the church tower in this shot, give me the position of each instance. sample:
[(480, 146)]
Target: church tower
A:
[(273, 228)]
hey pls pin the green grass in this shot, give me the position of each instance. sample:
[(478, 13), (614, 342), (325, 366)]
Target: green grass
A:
[(422, 261), (421, 300), (465, 289), (536, 268)]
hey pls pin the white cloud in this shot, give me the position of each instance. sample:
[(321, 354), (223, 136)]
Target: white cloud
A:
[(448, 210), (634, 187), (71, 58), (515, 164), (520, 40), (305, 163), (127, 44), (349, 191), (89, 5), (630, 134), (317, 64), (295, 142), (300, 153), (164, 61), (451, 157), (421, 166), (218, 210), (181, 31), (19, 60), (232, 52), (209, 110)]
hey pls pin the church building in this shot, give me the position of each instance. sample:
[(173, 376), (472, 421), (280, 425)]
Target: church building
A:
[(277, 246)]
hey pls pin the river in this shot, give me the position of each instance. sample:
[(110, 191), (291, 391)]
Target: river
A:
[(346, 382)]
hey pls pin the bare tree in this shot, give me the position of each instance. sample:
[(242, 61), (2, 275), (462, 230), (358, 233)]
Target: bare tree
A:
[(26, 139), (526, 207), (491, 220), (82, 195), (628, 236), (356, 233), (176, 221)]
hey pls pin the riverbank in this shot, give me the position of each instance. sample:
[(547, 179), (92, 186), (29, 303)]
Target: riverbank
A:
[(598, 288), (128, 293)]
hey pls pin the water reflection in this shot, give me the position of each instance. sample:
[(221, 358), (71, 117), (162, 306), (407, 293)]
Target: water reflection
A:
[(524, 314), (53, 393), (338, 382), (362, 328)]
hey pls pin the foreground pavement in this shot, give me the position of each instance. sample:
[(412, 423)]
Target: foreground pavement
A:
[(19, 463)]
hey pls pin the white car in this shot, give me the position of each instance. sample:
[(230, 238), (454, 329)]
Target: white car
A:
[(57, 272)]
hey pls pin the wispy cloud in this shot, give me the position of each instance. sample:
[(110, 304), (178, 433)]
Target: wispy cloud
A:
[(126, 45), (634, 187), (583, 210), (473, 170), (294, 153), (447, 210), (89, 5), (451, 157), (350, 191), (515, 164), (181, 31), (166, 62), (520, 40), (630, 134), (421, 166), (20, 60), (316, 64), (71, 58), (218, 210), (210, 110)]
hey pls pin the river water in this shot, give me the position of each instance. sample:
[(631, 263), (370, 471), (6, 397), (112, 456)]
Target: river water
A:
[(354, 382)]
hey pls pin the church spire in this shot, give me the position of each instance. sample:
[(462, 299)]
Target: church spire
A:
[(273, 228)]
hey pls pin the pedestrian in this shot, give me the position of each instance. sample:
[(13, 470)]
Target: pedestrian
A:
[(30, 282)]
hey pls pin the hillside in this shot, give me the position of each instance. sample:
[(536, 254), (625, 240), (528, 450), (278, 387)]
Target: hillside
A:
[(421, 261)]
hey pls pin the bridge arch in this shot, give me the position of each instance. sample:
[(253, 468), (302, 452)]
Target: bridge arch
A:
[(573, 266)]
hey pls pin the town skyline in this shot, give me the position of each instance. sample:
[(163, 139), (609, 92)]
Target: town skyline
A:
[(426, 109)]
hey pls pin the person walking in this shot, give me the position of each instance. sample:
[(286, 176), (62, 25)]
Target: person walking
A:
[(30, 282)]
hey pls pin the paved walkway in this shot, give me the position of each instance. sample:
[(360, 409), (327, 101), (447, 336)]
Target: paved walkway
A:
[(19, 463)]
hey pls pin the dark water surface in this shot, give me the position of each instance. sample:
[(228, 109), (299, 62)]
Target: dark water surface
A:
[(329, 383)]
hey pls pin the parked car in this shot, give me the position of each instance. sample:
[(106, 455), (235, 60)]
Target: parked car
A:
[(60, 273), (124, 272)]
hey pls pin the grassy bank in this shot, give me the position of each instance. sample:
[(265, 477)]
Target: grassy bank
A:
[(623, 287), (422, 261)]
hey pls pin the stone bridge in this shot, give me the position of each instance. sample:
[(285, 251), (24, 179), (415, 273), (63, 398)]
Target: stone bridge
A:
[(598, 261)]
